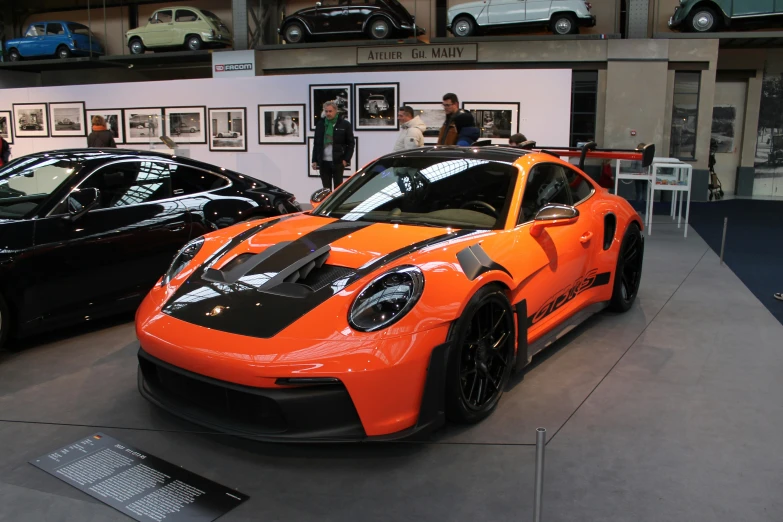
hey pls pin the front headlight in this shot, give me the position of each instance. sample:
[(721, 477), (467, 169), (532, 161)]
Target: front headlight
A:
[(386, 299), (183, 257)]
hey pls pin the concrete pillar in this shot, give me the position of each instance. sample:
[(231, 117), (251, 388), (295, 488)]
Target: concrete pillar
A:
[(239, 13), (638, 18)]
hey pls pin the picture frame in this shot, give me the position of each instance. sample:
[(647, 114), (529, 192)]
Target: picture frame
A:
[(31, 120), (143, 124), (433, 115), (6, 127), (67, 119), (376, 106), (349, 171), (497, 121), (342, 93), (114, 122), (185, 124), (282, 124), (228, 129)]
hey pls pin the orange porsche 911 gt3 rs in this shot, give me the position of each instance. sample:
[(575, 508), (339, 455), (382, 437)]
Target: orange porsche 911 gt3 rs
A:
[(405, 298)]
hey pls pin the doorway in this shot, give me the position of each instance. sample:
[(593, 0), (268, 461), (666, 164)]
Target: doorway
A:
[(728, 124)]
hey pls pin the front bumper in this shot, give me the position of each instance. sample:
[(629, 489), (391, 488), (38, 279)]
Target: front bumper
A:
[(587, 21), (674, 20)]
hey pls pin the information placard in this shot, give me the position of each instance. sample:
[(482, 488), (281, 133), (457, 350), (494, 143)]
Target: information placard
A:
[(136, 483)]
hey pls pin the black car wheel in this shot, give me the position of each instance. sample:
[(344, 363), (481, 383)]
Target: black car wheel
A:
[(136, 47), (481, 356), (564, 23), (463, 26), (628, 274), (5, 322), (379, 28), (63, 52), (14, 56), (294, 33), (194, 43), (702, 20)]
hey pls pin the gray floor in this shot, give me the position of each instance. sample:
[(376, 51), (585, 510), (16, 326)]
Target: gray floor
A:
[(672, 411)]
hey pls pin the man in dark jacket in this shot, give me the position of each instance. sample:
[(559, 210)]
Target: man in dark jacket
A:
[(332, 147), (448, 132)]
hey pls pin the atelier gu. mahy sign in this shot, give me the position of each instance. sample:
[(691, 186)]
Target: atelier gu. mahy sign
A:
[(379, 55)]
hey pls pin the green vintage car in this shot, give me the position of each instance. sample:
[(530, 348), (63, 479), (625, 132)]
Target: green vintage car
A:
[(177, 27), (712, 15)]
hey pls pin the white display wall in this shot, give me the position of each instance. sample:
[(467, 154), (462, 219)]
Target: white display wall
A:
[(544, 97)]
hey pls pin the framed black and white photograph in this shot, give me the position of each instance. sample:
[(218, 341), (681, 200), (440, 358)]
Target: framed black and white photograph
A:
[(723, 120), (186, 124), (320, 94), (496, 121), (67, 119), (31, 120), (281, 124), (5, 127), (349, 171), (376, 106), (228, 129), (433, 116), (113, 122), (143, 125)]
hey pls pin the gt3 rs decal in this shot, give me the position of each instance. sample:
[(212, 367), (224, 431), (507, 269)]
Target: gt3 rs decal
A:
[(590, 280), (258, 303)]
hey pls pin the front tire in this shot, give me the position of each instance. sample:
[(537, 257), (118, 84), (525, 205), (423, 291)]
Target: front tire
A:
[(463, 26), (628, 274), (563, 24), (136, 46), (294, 33), (14, 56), (378, 29), (703, 20), (481, 356)]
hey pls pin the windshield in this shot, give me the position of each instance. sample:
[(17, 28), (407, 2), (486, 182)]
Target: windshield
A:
[(26, 183), (444, 192)]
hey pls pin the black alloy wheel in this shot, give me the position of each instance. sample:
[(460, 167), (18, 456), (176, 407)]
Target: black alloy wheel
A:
[(628, 274), (481, 356)]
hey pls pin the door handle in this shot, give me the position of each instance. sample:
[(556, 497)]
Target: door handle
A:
[(586, 237), (176, 227)]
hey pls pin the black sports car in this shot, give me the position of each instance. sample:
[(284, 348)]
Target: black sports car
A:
[(86, 232), (378, 19)]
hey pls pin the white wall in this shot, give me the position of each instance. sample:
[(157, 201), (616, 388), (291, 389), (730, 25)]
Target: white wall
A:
[(544, 96)]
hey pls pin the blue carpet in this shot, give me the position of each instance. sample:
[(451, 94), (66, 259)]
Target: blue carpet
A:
[(754, 243)]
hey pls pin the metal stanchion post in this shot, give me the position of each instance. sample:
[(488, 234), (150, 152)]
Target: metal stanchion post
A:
[(723, 241), (540, 445)]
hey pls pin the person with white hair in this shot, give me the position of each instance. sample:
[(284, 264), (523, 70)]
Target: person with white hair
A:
[(333, 146)]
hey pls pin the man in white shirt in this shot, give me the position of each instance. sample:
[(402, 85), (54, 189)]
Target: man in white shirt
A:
[(411, 130)]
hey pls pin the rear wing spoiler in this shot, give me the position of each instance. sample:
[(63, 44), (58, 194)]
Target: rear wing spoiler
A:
[(590, 150)]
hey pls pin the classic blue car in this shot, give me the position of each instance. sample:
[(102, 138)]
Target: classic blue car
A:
[(53, 38)]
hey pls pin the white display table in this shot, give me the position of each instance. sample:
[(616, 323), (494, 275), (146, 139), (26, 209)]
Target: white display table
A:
[(677, 183)]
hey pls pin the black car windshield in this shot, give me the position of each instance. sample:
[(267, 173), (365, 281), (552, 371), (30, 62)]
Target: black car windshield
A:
[(27, 182), (427, 191)]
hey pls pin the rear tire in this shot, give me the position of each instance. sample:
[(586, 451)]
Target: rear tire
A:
[(193, 43), (379, 29), (463, 26), (628, 274), (481, 356), (563, 24), (14, 56), (63, 52)]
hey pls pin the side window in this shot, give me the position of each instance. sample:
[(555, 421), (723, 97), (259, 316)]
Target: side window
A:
[(187, 180), (131, 183), (35, 30), (53, 29), (162, 17), (580, 187), (546, 183), (185, 15)]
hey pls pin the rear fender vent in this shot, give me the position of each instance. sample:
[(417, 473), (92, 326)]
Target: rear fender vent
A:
[(610, 226)]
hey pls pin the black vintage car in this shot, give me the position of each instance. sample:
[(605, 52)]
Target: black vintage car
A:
[(377, 19), (86, 233)]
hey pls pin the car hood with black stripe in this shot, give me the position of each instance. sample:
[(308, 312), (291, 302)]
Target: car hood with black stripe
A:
[(290, 265)]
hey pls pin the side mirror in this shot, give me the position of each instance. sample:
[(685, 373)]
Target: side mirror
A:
[(82, 201), (552, 215), (318, 196)]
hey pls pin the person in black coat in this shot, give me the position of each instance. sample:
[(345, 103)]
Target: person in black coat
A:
[(100, 136), (333, 146)]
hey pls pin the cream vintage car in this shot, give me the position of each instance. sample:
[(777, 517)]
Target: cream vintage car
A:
[(177, 27), (561, 16)]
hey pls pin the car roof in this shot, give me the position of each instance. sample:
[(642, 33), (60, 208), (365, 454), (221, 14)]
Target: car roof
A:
[(491, 153)]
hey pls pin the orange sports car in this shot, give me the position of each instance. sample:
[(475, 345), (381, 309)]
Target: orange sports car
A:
[(404, 298)]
